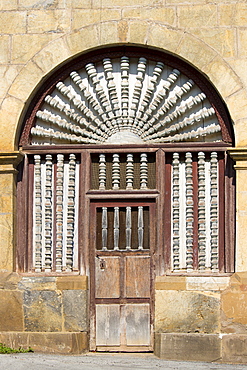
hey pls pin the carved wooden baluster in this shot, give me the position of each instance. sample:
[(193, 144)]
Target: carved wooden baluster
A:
[(125, 90), (129, 172), (116, 228), (115, 172), (71, 213), (112, 93), (147, 99), (143, 171), (105, 104), (48, 213), (104, 228), (141, 69), (214, 211), (128, 228), (140, 227), (201, 212), (189, 212), (175, 211), (102, 172), (37, 214), (59, 212)]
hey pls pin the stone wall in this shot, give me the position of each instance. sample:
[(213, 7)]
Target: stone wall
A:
[(52, 308), (36, 36)]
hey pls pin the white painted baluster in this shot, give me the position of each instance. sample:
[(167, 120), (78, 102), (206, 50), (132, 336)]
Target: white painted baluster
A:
[(115, 172), (214, 211), (175, 211), (104, 228), (129, 172), (48, 213), (143, 171), (112, 92), (128, 228), (37, 257), (189, 212), (102, 172), (125, 90), (140, 227), (71, 214), (59, 212), (141, 69), (116, 228), (201, 212)]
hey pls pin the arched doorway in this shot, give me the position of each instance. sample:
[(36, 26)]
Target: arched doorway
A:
[(126, 177)]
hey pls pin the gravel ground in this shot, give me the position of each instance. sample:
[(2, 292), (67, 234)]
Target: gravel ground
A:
[(34, 361)]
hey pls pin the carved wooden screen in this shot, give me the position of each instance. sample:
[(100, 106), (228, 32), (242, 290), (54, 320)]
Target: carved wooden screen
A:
[(127, 125)]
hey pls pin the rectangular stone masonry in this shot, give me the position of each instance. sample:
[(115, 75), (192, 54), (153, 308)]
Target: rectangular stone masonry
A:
[(11, 310), (72, 282), (188, 347), (62, 343), (234, 348), (170, 283), (42, 311), (75, 310)]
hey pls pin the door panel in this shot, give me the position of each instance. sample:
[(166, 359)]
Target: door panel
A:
[(137, 276), (107, 327), (107, 277), (137, 324), (121, 276)]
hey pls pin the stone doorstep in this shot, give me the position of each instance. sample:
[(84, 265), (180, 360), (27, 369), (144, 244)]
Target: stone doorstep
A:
[(225, 348), (59, 343)]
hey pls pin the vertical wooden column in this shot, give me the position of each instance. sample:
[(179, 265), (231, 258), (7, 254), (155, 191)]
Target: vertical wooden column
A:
[(8, 173), (239, 155)]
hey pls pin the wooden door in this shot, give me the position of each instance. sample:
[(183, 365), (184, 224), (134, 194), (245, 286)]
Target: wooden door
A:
[(122, 277)]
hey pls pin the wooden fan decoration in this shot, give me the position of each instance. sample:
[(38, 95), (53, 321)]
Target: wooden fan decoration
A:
[(125, 101)]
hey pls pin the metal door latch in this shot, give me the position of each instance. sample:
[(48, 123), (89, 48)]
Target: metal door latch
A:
[(102, 264)]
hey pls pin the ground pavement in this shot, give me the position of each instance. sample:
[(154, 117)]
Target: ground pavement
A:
[(91, 361)]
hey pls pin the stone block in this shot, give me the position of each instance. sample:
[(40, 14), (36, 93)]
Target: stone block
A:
[(75, 310), (52, 54), (42, 311), (24, 47), (138, 32), (164, 37), (9, 115), (37, 283), (170, 283), (164, 14), (82, 40), (8, 5), (197, 16), (60, 343), (5, 49), (56, 21), (188, 347), (187, 312), (195, 51), (207, 283), (234, 311), (223, 77), (93, 16), (222, 40), (111, 32), (9, 281), (34, 4), (27, 80), (72, 282), (239, 114), (234, 348), (12, 22), (11, 310)]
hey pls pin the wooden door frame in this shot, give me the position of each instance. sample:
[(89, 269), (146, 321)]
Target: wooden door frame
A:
[(152, 236)]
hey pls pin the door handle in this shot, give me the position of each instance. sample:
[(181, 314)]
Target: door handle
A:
[(102, 264)]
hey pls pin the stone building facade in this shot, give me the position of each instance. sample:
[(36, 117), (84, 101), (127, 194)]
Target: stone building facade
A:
[(188, 283)]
